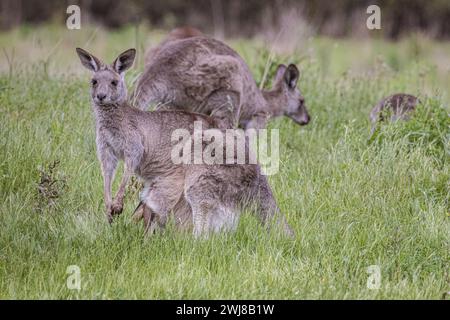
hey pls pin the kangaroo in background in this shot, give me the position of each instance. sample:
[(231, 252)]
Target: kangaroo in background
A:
[(175, 34), (212, 196), (399, 106), (204, 75)]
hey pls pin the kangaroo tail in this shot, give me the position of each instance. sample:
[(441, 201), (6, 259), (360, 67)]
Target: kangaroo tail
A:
[(268, 210)]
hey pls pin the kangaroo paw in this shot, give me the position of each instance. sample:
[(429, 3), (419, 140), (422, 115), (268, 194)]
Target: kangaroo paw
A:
[(116, 208)]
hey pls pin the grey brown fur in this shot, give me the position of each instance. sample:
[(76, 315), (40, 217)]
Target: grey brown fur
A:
[(204, 75), (209, 196), (175, 34), (399, 106)]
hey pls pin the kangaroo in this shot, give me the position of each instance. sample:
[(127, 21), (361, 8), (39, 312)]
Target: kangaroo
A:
[(175, 34), (211, 195), (399, 105), (204, 75)]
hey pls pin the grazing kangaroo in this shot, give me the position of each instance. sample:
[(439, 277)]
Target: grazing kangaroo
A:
[(211, 195), (399, 106), (204, 75)]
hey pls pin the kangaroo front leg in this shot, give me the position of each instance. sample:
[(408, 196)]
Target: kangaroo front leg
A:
[(108, 166), (117, 204)]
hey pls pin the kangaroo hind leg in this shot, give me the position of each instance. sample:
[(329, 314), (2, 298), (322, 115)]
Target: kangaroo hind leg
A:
[(224, 106)]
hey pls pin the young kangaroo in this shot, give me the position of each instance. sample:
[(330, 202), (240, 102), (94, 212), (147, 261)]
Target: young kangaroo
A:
[(212, 195), (399, 106), (204, 75)]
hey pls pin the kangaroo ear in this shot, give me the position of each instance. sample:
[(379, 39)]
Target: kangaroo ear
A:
[(124, 61), (88, 60), (281, 69), (291, 76)]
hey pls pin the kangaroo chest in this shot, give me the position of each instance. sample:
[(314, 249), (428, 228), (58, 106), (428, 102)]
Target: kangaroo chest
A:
[(114, 140)]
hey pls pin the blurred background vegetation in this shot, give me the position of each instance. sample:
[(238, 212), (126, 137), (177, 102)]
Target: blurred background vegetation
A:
[(233, 18)]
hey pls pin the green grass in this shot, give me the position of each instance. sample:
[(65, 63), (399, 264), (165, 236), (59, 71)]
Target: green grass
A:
[(353, 202)]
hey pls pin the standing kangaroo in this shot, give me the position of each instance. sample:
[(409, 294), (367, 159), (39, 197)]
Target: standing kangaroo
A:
[(211, 195), (204, 75), (399, 106)]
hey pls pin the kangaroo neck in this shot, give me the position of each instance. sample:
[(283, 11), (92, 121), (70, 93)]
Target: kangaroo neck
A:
[(273, 105), (109, 115)]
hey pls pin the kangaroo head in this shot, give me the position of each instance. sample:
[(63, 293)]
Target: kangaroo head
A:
[(108, 81), (289, 101)]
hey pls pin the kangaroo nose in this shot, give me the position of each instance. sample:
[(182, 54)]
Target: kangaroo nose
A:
[(101, 96)]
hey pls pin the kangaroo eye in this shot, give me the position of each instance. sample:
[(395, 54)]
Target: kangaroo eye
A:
[(94, 82), (114, 83)]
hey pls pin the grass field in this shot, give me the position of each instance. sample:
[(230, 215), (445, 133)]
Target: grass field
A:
[(353, 202)]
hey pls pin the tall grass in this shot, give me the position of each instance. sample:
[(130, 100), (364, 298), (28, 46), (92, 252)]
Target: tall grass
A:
[(353, 202)]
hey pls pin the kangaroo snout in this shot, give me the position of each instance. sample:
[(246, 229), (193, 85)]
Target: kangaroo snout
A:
[(306, 120), (101, 97), (301, 120), (304, 115), (301, 116)]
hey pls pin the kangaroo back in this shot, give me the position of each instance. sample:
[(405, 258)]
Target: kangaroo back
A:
[(175, 34), (399, 106), (193, 72)]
